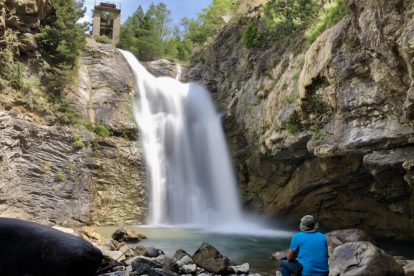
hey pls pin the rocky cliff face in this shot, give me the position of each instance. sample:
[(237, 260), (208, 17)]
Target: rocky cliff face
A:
[(327, 129), (67, 174)]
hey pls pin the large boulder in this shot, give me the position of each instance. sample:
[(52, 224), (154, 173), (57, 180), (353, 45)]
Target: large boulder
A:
[(211, 259), (142, 265), (29, 248), (340, 237), (409, 269), (362, 259), (186, 260)]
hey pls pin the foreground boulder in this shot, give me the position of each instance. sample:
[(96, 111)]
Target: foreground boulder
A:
[(340, 237), (362, 259), (211, 259), (167, 263), (29, 248), (179, 254)]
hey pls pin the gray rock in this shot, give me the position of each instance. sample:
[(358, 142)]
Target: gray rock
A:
[(113, 256), (186, 260), (362, 258), (188, 269), (140, 250), (409, 269), (210, 259), (340, 237), (153, 252), (280, 255), (161, 272), (117, 273), (167, 263), (127, 235), (179, 254), (142, 265), (239, 269)]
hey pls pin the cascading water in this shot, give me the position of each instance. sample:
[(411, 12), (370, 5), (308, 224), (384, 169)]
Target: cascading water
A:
[(191, 176)]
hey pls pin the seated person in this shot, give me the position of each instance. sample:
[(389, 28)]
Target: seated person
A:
[(312, 250)]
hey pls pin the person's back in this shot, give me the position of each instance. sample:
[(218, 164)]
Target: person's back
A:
[(311, 249), (313, 253)]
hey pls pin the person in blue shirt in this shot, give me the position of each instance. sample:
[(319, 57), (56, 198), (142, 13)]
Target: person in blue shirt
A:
[(311, 249)]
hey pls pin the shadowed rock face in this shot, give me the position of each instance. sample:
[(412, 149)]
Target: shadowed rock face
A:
[(46, 179), (327, 130), (32, 249)]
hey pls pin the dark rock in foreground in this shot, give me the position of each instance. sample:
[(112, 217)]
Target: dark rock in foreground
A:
[(29, 248), (144, 266), (211, 259), (362, 259)]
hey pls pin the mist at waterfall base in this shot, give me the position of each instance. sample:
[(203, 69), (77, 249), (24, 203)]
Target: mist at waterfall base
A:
[(190, 173)]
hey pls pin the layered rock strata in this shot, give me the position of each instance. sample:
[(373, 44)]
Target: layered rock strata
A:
[(327, 129)]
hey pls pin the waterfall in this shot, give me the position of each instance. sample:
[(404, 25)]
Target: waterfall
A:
[(178, 72), (190, 172)]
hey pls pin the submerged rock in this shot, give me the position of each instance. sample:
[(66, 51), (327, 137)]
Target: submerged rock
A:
[(126, 234), (29, 248), (211, 259), (362, 259)]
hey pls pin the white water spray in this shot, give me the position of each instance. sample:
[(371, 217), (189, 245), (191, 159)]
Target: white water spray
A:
[(178, 77), (191, 177)]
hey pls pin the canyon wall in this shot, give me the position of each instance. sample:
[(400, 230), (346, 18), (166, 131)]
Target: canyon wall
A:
[(323, 129)]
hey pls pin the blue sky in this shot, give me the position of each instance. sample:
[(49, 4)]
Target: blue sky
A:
[(179, 8)]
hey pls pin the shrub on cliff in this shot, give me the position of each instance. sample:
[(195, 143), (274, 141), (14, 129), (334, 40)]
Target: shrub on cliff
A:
[(61, 41), (11, 70), (332, 13), (284, 19), (251, 36)]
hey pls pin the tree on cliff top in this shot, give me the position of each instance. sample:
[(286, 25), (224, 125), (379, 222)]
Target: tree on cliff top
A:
[(61, 41)]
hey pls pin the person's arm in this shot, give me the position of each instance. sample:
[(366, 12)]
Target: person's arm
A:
[(291, 255)]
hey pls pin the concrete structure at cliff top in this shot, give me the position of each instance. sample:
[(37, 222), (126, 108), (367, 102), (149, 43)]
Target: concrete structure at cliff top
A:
[(111, 26)]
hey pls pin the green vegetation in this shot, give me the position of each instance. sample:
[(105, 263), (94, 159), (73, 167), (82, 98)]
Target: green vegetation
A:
[(296, 74), (78, 144), (292, 128), (60, 176), (411, 44), (284, 19), (251, 36), (103, 39), (60, 42), (102, 131), (150, 36), (332, 13), (11, 72)]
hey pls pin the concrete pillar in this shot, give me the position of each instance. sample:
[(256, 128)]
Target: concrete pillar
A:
[(117, 27), (96, 29)]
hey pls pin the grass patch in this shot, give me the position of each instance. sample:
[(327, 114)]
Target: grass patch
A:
[(102, 131), (292, 128), (104, 39), (252, 37), (78, 144), (296, 74), (331, 14), (60, 176)]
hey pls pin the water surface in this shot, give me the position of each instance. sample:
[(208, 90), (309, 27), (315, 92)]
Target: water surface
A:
[(252, 249)]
